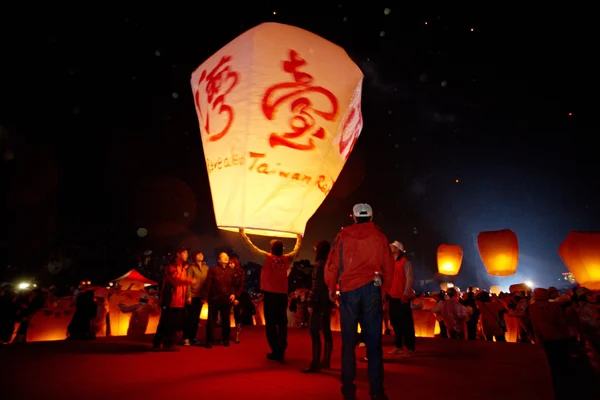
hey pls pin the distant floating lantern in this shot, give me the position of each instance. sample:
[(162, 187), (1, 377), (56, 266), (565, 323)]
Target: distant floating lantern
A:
[(142, 232), (278, 120), (449, 259), (495, 290), (581, 254), (499, 251)]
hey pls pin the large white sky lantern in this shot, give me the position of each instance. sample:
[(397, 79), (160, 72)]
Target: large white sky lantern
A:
[(279, 113)]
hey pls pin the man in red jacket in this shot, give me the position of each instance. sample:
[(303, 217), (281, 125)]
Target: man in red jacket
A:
[(276, 267), (400, 309), (361, 262), (172, 300)]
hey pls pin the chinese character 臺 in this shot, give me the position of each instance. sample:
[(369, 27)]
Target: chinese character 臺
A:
[(303, 125), (219, 83)]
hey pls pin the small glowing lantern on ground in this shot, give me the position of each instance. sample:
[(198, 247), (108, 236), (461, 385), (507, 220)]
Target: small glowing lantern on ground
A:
[(581, 254), (51, 323), (119, 320), (512, 328), (499, 251), (279, 113), (495, 290), (449, 259), (204, 312), (335, 320), (425, 322)]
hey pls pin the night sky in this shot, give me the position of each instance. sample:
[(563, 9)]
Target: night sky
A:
[(475, 119)]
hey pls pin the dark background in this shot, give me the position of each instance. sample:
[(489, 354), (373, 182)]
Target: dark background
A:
[(100, 137)]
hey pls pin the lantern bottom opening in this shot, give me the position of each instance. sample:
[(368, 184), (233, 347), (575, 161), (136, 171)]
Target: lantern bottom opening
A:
[(448, 273), (501, 273), (260, 232)]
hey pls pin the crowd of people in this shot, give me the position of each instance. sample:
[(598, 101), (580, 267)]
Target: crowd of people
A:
[(186, 287), (363, 276)]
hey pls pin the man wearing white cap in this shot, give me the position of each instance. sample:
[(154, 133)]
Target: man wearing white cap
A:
[(360, 260), (400, 311)]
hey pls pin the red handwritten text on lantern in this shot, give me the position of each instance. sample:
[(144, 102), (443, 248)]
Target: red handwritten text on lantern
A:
[(260, 163), (218, 84), (350, 131), (303, 125)]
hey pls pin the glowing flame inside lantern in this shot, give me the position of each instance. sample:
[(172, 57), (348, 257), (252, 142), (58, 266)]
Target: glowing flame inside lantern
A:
[(449, 258), (279, 113), (499, 251)]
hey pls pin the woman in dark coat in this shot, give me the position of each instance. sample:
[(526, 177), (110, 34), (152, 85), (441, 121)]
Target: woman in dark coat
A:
[(319, 307)]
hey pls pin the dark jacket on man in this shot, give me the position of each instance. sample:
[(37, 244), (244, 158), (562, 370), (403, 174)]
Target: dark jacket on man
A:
[(219, 284)]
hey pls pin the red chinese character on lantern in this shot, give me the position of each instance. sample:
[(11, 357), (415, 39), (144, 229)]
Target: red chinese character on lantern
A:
[(219, 83), (350, 131), (303, 125)]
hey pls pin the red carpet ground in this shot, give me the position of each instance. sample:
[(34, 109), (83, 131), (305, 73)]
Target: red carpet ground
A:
[(116, 369)]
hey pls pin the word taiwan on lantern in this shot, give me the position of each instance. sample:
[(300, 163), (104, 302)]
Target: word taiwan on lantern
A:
[(279, 113)]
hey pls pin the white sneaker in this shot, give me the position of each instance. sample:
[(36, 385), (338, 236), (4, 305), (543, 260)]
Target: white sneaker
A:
[(362, 345), (186, 342), (395, 351)]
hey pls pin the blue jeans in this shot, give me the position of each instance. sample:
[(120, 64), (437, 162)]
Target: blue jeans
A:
[(362, 305)]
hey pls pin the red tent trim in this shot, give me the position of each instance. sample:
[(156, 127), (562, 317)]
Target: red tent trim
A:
[(134, 275)]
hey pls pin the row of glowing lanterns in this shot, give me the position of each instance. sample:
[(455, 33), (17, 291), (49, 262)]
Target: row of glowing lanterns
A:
[(499, 251)]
